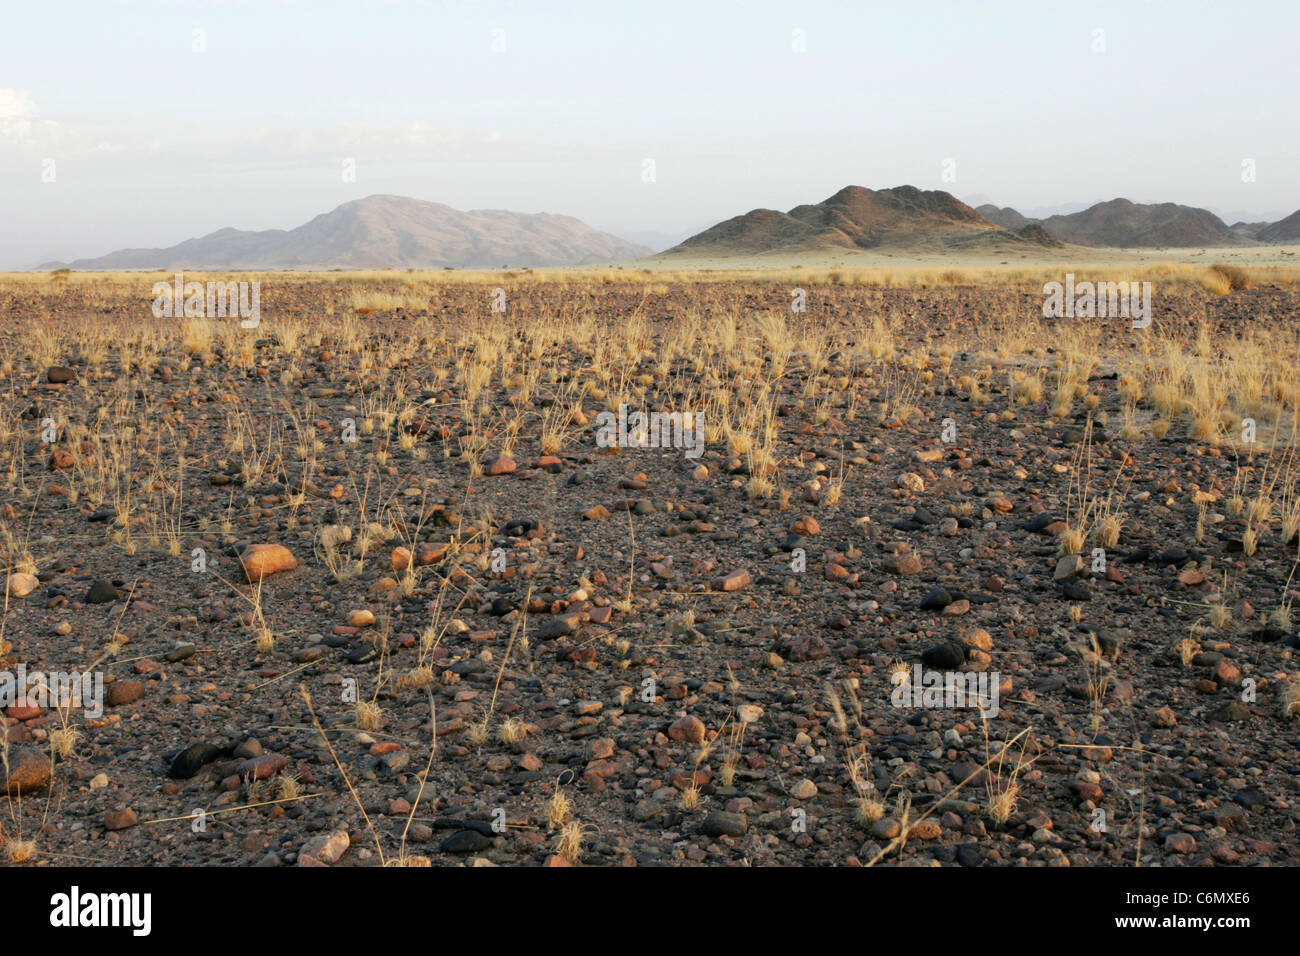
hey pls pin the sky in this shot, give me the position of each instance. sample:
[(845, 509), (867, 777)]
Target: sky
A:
[(129, 124)]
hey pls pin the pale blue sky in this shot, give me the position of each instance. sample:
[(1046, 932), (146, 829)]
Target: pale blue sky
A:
[(153, 142)]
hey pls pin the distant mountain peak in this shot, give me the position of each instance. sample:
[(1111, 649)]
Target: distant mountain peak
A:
[(1123, 223), (384, 231), (855, 217)]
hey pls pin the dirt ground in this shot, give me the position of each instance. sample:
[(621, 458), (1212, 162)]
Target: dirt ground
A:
[(371, 587)]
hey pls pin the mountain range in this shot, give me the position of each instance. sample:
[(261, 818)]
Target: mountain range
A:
[(389, 232), (905, 218), (395, 232), (859, 218), (1120, 223)]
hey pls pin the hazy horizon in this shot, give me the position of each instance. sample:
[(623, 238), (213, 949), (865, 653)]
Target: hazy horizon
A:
[(161, 122)]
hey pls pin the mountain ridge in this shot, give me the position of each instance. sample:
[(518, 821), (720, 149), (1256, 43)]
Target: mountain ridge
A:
[(905, 218), (853, 218), (1120, 223), (386, 231)]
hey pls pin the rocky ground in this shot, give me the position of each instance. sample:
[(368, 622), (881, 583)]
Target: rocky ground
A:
[(414, 647)]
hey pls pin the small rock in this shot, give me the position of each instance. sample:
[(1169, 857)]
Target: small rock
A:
[(120, 819), (905, 565), (261, 768), (1068, 567), (123, 692), (191, 760), (21, 585), (1226, 673), (732, 582), (689, 729), (101, 592), (722, 823), (465, 841), (1180, 843), (1234, 710), (886, 828), (947, 657), (910, 481), (326, 848), (180, 652), (260, 560), (29, 770), (936, 600)]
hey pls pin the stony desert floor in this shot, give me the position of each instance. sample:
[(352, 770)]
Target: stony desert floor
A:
[(364, 587)]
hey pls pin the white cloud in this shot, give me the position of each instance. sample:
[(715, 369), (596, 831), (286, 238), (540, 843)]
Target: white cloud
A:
[(17, 110), (16, 104)]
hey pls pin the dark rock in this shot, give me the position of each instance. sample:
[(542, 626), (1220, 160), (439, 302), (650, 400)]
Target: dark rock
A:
[(936, 600), (363, 654), (801, 647), (1231, 711), (722, 823), (101, 592), (180, 652), (193, 759), (947, 657), (968, 854), (465, 841), (1076, 589)]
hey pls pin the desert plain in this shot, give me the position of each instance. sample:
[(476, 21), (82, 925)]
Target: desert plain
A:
[(362, 586)]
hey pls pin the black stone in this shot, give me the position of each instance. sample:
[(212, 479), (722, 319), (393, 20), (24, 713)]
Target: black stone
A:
[(1075, 589), (193, 759), (936, 600), (722, 823), (1040, 522), (362, 655), (968, 854), (948, 656), (465, 841), (180, 652), (1231, 711), (101, 592), (1248, 798)]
